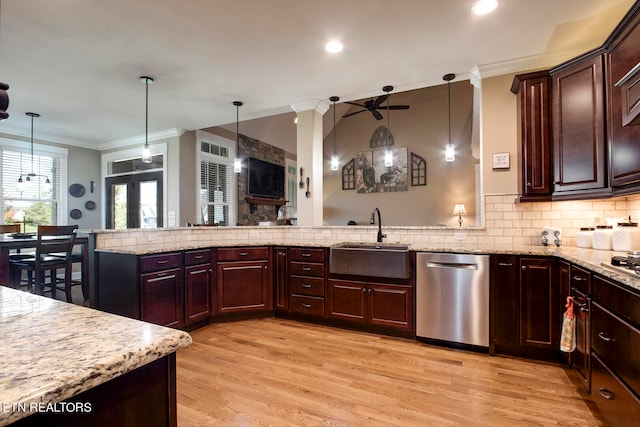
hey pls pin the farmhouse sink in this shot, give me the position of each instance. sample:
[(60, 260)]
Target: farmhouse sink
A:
[(370, 259)]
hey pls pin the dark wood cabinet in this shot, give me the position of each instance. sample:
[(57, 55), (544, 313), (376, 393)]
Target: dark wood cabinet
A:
[(505, 301), (243, 280), (535, 133), (578, 126), (623, 56), (280, 279), (197, 283), (580, 293), (162, 289), (306, 281), (377, 304), (540, 315), (615, 344)]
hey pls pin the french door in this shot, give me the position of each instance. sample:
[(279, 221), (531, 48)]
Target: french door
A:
[(134, 201)]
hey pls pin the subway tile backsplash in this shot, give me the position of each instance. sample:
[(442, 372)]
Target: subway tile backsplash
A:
[(508, 223)]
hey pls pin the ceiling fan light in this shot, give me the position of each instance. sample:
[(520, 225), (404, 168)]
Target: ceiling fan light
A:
[(333, 46), (484, 7)]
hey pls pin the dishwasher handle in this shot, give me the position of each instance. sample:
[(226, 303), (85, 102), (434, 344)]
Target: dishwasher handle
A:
[(455, 265)]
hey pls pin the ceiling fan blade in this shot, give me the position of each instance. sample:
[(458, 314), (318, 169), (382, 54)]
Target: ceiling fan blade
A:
[(352, 114), (354, 103), (376, 114), (397, 107), (379, 101)]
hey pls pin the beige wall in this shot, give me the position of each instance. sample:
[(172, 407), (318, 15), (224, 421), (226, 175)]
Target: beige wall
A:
[(423, 129), (187, 179)]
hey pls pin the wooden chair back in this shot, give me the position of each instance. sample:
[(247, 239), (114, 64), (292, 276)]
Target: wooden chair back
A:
[(55, 239), (9, 228)]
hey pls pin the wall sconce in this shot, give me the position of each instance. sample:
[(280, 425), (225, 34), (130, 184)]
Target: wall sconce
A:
[(459, 210), (449, 150)]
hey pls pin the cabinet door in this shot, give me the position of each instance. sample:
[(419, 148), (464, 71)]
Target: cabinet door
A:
[(578, 124), (623, 140), (347, 300), (390, 306), (535, 134), (580, 358), (161, 297), (281, 297), (197, 292), (506, 301), (540, 314), (243, 286)]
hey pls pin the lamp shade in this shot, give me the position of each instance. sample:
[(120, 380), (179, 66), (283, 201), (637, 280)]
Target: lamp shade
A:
[(459, 209)]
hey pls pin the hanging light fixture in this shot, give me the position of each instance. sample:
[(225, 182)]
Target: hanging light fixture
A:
[(388, 154), (237, 162), (25, 181), (146, 151), (335, 162), (449, 150), (4, 101)]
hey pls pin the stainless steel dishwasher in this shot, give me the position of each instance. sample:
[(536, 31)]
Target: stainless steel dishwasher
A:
[(452, 298)]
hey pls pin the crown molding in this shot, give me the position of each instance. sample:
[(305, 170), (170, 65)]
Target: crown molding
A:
[(140, 139)]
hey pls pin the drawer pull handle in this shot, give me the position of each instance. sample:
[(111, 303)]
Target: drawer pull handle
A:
[(306, 268), (306, 285), (606, 394), (306, 254), (199, 256), (505, 264), (243, 253), (162, 261), (604, 337), (577, 278), (305, 305)]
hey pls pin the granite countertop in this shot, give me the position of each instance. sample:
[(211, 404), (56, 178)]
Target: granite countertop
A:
[(53, 350)]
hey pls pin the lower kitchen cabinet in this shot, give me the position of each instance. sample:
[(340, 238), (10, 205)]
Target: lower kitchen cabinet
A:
[(162, 289), (580, 292), (367, 303), (243, 280), (197, 282), (526, 307), (306, 271), (280, 288)]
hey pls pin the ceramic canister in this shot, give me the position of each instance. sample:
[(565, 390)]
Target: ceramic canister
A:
[(603, 237), (584, 237), (626, 237)]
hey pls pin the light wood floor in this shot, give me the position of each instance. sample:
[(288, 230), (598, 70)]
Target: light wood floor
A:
[(274, 372)]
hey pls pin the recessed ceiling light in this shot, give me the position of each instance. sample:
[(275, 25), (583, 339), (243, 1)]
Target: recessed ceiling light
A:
[(483, 7), (334, 46)]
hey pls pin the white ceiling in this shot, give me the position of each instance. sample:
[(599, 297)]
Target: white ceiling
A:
[(78, 62)]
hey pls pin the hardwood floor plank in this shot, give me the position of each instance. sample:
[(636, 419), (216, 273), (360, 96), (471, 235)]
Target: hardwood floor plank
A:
[(275, 372)]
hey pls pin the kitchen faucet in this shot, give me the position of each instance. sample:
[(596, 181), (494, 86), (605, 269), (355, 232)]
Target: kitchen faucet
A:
[(373, 221)]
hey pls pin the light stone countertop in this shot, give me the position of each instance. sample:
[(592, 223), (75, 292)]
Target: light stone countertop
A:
[(53, 350)]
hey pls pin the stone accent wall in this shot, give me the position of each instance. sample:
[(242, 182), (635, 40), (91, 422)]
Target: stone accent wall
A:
[(249, 147)]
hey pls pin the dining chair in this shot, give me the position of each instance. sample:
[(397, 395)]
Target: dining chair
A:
[(54, 246), (14, 228)]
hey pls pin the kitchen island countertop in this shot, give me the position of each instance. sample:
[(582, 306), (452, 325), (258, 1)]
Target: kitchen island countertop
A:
[(53, 350)]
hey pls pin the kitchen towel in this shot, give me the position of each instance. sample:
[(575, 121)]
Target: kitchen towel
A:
[(568, 340)]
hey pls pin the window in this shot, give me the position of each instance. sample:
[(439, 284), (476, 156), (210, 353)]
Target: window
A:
[(39, 202), (217, 196)]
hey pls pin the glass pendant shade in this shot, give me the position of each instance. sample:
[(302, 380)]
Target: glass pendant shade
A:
[(146, 151), (335, 163), (449, 153), (388, 158)]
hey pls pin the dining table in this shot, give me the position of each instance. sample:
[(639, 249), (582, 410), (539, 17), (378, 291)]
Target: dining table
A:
[(9, 242)]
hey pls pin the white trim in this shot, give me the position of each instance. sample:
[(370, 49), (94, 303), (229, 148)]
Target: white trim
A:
[(25, 147), (140, 139), (134, 153)]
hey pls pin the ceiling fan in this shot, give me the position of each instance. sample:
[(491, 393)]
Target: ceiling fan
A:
[(374, 105)]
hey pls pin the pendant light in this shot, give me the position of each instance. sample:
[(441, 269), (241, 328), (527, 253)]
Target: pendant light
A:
[(4, 101), (388, 154), (146, 151), (335, 162), (449, 151), (237, 162), (25, 181)]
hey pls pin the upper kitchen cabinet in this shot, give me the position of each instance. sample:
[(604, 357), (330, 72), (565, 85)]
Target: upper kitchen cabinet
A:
[(623, 103), (578, 127), (535, 149)]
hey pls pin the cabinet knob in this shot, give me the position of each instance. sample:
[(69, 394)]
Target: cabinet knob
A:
[(529, 184), (524, 267)]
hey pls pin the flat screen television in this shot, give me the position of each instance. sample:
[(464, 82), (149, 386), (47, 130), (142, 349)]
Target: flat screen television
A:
[(265, 179)]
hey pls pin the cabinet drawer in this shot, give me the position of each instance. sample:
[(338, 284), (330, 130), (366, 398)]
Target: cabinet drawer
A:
[(197, 257), (313, 286), (160, 262), (624, 303), (243, 254), (306, 254), (306, 269), (581, 280), (616, 403), (617, 343), (306, 305)]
